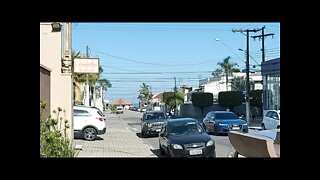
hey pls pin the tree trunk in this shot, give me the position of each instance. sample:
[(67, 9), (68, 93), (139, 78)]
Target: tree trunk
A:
[(77, 92), (227, 81), (94, 96)]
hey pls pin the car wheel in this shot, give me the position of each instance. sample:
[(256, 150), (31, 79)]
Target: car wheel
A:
[(215, 132), (263, 127), (89, 134), (143, 134), (236, 154), (169, 153), (161, 150)]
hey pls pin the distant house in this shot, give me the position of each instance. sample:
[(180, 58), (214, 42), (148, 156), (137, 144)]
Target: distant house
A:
[(122, 103), (157, 102)]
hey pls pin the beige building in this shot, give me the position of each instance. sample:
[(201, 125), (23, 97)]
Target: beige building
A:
[(59, 89)]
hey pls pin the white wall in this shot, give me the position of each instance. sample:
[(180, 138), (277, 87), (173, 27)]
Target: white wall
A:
[(215, 87), (61, 84)]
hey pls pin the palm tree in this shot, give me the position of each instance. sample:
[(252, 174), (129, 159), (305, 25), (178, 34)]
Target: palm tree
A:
[(103, 86), (144, 94), (239, 83), (217, 73), (228, 68)]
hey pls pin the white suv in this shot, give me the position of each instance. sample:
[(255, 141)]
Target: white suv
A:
[(88, 122), (271, 120), (119, 110)]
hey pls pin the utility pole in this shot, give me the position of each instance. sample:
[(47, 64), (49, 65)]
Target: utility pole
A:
[(87, 100), (247, 98), (175, 97), (262, 37), (66, 69)]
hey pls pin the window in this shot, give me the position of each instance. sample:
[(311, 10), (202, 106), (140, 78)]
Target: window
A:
[(155, 116), (269, 114), (226, 116), (275, 116), (77, 112), (210, 114)]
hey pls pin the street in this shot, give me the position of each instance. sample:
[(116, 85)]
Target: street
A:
[(133, 119)]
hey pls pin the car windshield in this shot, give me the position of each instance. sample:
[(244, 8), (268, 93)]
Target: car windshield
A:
[(155, 116), (226, 116), (190, 127)]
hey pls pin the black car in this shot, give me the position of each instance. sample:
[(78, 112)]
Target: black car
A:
[(185, 137), (151, 122)]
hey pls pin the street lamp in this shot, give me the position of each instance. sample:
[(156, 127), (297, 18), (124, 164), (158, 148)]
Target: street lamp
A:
[(247, 86), (56, 27), (217, 39)]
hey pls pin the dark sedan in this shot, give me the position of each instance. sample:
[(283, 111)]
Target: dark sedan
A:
[(185, 137), (151, 122), (223, 122)]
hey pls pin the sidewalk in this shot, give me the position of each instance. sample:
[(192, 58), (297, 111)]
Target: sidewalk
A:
[(256, 124), (118, 141)]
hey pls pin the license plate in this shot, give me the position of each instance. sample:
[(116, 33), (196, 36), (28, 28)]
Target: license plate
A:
[(237, 128), (158, 130), (195, 151)]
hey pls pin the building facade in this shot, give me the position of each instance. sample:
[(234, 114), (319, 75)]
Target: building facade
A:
[(271, 84), (215, 85), (60, 89)]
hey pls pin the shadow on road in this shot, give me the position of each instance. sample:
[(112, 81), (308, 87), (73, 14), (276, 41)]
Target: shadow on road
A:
[(81, 138), (149, 136), (157, 153), (98, 138)]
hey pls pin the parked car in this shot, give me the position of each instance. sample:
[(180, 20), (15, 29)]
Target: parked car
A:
[(119, 110), (151, 122), (223, 122), (271, 120), (185, 137), (132, 108), (88, 122)]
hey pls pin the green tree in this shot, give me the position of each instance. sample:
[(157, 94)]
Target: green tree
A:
[(170, 99), (228, 68), (145, 94)]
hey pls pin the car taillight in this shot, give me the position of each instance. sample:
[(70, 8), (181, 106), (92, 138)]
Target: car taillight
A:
[(101, 118)]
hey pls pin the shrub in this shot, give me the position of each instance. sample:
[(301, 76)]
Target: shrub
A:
[(52, 142), (230, 98), (113, 108), (202, 99)]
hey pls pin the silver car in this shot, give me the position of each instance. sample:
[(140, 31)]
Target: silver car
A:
[(151, 122)]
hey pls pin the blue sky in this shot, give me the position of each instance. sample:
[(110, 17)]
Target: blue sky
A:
[(155, 53)]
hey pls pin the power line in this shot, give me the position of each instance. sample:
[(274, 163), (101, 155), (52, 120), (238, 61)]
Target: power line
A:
[(186, 72), (142, 62)]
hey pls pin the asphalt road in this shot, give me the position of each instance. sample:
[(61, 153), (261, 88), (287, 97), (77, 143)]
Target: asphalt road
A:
[(133, 119)]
